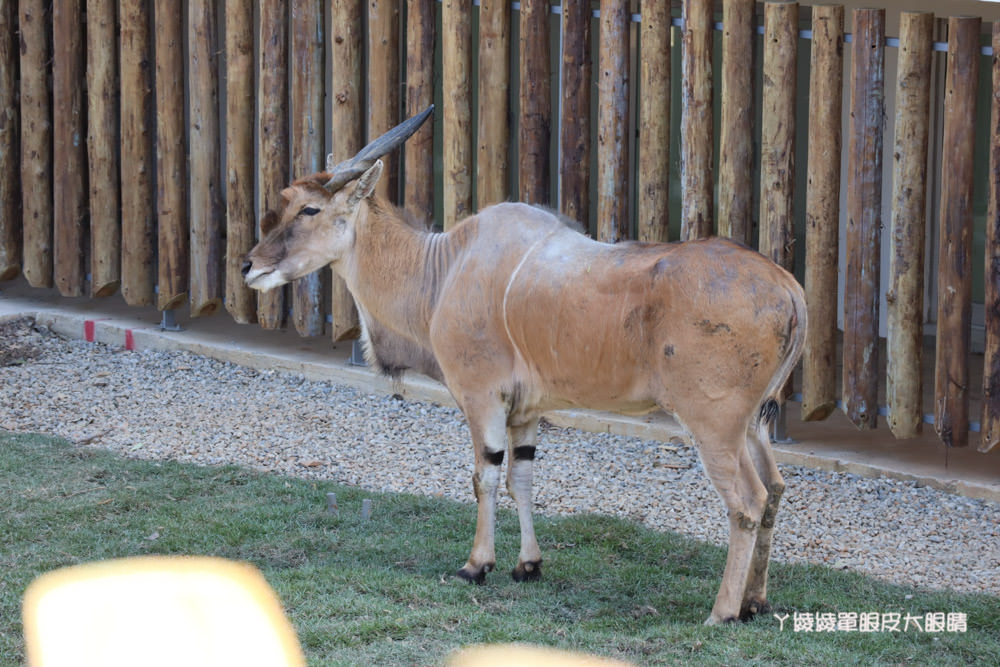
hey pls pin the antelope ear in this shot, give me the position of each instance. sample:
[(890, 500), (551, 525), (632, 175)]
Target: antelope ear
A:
[(366, 184)]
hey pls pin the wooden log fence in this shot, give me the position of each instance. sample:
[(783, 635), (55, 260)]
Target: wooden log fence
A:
[(864, 219), (612, 123), (826, 85), (493, 134), (10, 131), (418, 189), (102, 140), (951, 380), (457, 110), (136, 155), (990, 432), (347, 116), (777, 134), (34, 28), (84, 217), (696, 121), (905, 297), (739, 27), (272, 133), (574, 137), (307, 138), (240, 300), (535, 118), (172, 225)]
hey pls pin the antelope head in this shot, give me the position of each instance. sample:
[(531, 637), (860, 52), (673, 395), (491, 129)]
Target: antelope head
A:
[(316, 225)]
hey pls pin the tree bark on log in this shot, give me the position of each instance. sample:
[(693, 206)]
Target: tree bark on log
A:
[(864, 219), (418, 170), (826, 85), (535, 106), (456, 42), (739, 30), (272, 134), (951, 382), (696, 120), (240, 300), (574, 141), (135, 53), (36, 142), (102, 147), (307, 138), (612, 123), (346, 115), (905, 297), (10, 146)]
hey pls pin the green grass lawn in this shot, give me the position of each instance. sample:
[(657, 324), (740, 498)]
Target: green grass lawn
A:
[(380, 592)]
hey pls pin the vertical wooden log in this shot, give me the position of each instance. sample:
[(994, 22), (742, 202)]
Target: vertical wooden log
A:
[(535, 106), (203, 130), (136, 153), (951, 386), (574, 140), (272, 133), (654, 123), (240, 300), (864, 219), (171, 159), (696, 120), (69, 150), (10, 146), (990, 430), (826, 84), (346, 119), (36, 142), (739, 28), (905, 297), (493, 138), (307, 135), (102, 147), (777, 135), (456, 44), (612, 123), (418, 168), (384, 85)]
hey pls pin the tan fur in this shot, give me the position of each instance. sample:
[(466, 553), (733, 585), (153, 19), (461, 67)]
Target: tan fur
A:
[(518, 314)]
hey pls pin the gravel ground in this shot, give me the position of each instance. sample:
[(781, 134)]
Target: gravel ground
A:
[(175, 405)]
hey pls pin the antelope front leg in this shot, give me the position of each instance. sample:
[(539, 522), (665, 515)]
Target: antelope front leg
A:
[(489, 431), (519, 476)]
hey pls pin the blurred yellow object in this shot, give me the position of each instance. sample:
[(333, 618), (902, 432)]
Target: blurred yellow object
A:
[(157, 610), (520, 655)]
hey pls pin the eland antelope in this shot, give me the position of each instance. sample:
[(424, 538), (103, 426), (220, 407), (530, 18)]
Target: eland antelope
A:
[(517, 313)]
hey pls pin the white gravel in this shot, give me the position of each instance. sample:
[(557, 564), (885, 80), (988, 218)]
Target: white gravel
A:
[(172, 405)]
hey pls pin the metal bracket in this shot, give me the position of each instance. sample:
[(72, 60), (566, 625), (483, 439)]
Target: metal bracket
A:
[(779, 428), (357, 354), (169, 321)]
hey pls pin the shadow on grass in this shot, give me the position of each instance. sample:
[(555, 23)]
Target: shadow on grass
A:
[(381, 591)]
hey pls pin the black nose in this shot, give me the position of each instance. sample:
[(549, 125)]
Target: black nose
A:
[(246, 267)]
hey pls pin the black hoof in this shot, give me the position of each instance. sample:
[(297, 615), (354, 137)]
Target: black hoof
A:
[(531, 571), (478, 578), (753, 608)]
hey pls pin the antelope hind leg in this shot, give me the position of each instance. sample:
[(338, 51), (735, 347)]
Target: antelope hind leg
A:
[(755, 596), (734, 477)]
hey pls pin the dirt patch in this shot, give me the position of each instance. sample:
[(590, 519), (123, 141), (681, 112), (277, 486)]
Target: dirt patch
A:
[(20, 341)]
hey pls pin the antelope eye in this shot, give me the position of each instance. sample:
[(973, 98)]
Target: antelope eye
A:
[(309, 210)]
